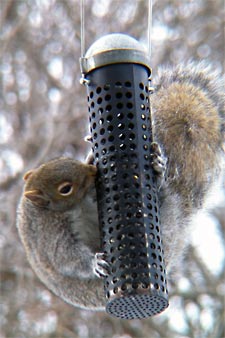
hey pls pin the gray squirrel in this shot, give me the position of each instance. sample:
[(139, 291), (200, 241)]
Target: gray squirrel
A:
[(57, 215)]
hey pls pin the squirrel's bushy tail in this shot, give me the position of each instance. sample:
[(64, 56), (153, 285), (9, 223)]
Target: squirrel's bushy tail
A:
[(188, 120)]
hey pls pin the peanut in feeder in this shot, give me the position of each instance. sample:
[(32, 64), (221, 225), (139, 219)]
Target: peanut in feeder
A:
[(116, 72)]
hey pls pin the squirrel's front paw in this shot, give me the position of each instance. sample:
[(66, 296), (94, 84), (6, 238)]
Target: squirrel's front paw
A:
[(157, 160), (101, 266)]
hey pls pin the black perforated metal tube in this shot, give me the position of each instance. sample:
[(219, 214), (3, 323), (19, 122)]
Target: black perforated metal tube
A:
[(120, 125)]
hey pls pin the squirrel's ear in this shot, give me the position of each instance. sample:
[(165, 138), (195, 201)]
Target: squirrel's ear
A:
[(27, 174), (90, 158), (92, 170), (36, 197)]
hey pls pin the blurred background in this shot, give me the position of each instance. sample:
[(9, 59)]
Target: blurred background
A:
[(43, 114)]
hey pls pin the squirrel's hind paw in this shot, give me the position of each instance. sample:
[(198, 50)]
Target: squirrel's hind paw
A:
[(101, 266), (157, 161)]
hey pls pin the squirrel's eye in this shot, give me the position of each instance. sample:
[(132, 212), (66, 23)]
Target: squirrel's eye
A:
[(65, 188)]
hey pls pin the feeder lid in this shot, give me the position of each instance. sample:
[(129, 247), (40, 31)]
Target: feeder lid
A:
[(114, 48)]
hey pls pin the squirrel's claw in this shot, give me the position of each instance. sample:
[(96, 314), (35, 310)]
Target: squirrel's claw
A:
[(101, 266), (158, 162)]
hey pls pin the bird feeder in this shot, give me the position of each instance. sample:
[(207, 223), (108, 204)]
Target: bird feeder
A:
[(116, 73)]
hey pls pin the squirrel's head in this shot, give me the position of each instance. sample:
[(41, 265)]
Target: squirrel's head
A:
[(59, 184)]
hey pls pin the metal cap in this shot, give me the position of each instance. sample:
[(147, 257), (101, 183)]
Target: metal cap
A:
[(114, 48)]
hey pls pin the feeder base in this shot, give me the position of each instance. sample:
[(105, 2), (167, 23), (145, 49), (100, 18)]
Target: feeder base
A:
[(137, 306)]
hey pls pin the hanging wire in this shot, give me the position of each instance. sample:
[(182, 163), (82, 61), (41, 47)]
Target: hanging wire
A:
[(82, 28), (83, 79), (149, 28)]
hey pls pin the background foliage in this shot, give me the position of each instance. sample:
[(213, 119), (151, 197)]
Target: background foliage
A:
[(43, 114)]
